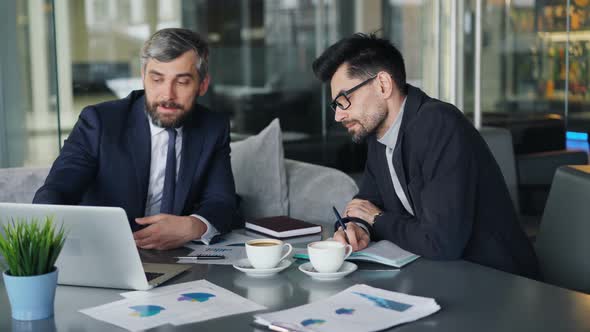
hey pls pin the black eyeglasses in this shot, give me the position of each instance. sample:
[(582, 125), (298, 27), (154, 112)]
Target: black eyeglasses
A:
[(341, 101)]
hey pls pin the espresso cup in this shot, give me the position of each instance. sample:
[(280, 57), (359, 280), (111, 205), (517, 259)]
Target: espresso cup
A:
[(328, 256), (266, 253)]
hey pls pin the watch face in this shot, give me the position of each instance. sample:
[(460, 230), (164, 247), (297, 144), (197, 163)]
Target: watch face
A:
[(377, 215)]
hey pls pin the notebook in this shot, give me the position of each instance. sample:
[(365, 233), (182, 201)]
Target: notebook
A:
[(283, 227), (303, 239), (359, 308), (383, 252)]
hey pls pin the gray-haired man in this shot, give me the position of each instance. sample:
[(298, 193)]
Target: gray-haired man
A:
[(156, 153)]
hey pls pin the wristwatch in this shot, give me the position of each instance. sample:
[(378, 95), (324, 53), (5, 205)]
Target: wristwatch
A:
[(379, 214)]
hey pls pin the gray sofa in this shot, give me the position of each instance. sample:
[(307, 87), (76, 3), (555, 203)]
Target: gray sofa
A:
[(527, 170), (562, 245), (521, 172), (268, 184), (499, 141), (312, 189), (18, 185)]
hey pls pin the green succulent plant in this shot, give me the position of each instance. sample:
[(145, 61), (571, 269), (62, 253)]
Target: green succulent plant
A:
[(31, 247)]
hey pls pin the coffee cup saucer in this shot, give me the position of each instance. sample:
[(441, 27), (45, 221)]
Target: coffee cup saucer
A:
[(345, 269), (245, 266)]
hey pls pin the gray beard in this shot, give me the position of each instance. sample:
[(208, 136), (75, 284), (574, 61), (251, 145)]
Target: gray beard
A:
[(151, 110)]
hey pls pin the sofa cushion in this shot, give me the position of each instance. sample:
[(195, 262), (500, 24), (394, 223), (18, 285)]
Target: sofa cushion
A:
[(18, 185), (259, 172), (314, 189)]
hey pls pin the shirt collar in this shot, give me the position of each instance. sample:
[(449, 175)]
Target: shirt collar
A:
[(390, 137), (155, 130)]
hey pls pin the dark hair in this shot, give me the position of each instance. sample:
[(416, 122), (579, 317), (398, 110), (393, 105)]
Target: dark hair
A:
[(365, 55), (168, 44)]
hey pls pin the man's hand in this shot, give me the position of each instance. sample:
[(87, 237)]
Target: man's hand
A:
[(359, 239), (362, 209), (165, 231)]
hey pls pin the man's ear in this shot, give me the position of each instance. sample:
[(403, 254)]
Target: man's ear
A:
[(204, 85), (386, 84)]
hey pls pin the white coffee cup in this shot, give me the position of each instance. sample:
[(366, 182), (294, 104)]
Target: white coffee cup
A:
[(328, 256), (266, 253)]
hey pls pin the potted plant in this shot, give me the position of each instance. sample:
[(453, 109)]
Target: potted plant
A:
[(30, 249)]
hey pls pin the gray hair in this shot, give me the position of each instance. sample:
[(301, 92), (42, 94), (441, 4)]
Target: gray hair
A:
[(168, 44)]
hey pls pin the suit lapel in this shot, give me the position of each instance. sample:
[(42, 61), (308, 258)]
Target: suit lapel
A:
[(415, 99), (139, 143), (382, 161), (193, 138), (399, 168)]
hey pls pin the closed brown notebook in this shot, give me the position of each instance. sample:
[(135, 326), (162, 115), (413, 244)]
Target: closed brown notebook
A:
[(283, 226)]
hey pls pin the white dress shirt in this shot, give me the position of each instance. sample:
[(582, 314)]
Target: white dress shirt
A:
[(158, 172), (389, 140)]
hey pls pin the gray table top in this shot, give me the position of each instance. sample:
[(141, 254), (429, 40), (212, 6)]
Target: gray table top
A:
[(472, 298)]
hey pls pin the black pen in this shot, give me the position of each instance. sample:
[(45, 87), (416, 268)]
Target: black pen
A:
[(274, 327), (202, 257), (341, 223)]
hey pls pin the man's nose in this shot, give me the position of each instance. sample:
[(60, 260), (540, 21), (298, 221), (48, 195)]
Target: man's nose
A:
[(169, 91), (339, 115)]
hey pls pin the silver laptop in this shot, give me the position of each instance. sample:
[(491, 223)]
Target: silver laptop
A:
[(99, 250)]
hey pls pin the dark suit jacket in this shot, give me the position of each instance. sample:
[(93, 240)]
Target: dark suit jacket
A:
[(106, 162), (461, 203)]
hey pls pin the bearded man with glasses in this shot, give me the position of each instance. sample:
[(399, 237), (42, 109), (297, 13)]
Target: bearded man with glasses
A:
[(431, 184)]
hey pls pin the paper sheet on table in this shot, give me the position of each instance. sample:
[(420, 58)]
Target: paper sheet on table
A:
[(233, 238), (232, 255), (358, 308), (178, 304)]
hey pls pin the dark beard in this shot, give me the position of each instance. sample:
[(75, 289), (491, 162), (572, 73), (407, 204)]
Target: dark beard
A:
[(370, 123), (176, 123), (361, 136)]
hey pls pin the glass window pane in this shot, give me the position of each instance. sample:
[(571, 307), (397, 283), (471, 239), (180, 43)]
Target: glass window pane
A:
[(535, 75), (260, 63), (413, 26), (28, 89)]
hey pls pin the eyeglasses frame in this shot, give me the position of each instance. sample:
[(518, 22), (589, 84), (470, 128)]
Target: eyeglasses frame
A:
[(334, 104)]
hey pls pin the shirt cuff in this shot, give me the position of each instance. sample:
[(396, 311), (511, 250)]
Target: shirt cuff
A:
[(209, 233), (363, 227)]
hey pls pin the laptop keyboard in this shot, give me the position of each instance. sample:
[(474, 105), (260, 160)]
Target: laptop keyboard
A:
[(152, 275)]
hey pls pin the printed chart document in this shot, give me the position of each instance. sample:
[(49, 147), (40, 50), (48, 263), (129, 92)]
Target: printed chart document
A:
[(232, 255), (240, 237), (230, 239), (383, 252), (358, 308), (230, 245), (178, 304)]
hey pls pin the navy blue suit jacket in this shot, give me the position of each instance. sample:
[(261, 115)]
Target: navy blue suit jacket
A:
[(106, 162), (461, 203)]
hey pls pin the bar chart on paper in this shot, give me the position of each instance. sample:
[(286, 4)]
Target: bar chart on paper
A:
[(217, 251), (231, 254)]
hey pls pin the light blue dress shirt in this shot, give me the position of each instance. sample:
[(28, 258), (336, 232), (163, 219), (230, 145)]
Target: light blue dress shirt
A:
[(157, 175)]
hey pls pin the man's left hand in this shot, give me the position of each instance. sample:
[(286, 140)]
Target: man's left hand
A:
[(165, 231), (363, 209), (358, 237)]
